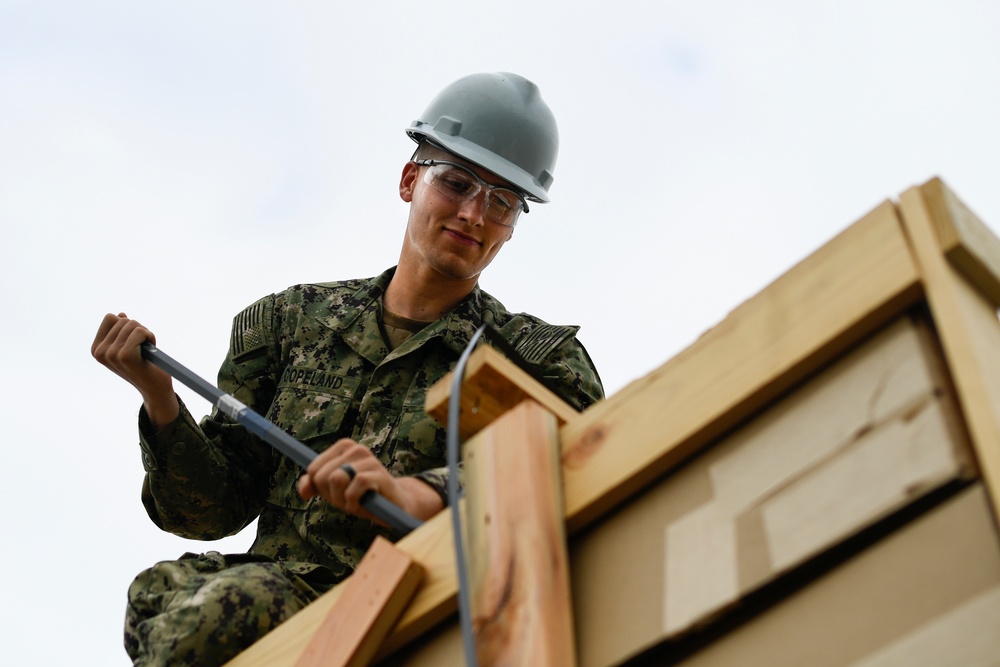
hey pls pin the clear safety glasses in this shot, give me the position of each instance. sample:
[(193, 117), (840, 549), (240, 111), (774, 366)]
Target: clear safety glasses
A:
[(459, 183)]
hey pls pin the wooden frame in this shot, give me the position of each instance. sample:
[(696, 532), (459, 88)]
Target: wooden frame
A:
[(929, 248)]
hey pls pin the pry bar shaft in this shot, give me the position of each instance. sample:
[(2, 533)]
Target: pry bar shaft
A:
[(379, 506)]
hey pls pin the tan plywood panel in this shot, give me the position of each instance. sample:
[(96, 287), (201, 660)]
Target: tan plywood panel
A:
[(861, 440), (932, 585), (964, 636)]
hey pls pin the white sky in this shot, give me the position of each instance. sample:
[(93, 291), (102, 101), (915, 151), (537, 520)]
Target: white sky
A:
[(179, 160)]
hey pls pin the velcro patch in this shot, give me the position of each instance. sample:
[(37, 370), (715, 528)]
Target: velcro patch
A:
[(541, 340), (248, 334)]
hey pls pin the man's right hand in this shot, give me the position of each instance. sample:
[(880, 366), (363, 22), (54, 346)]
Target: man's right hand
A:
[(117, 346)]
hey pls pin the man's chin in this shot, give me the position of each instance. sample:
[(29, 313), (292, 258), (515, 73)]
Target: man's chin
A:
[(458, 274)]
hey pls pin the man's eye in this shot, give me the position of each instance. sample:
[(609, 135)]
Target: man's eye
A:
[(500, 203), (457, 184)]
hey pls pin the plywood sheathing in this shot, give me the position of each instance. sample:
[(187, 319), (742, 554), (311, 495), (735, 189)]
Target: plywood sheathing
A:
[(866, 437), (928, 594)]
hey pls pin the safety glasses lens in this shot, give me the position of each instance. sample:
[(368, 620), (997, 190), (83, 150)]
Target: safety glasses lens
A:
[(458, 184)]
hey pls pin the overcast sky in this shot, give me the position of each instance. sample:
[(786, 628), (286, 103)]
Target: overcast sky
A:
[(179, 160)]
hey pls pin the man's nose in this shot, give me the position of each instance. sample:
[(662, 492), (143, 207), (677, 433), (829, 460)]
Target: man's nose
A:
[(474, 210)]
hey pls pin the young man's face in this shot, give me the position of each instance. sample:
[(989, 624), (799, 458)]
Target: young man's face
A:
[(454, 238)]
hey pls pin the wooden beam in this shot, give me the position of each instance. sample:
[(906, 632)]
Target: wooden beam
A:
[(373, 598), (522, 613), (855, 282), (492, 385), (966, 321), (967, 243), (431, 548)]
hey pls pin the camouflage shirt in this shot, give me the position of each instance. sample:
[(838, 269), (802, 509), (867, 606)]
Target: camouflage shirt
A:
[(313, 360)]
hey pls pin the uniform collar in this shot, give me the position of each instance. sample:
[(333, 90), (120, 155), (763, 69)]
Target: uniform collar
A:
[(345, 309), (356, 317)]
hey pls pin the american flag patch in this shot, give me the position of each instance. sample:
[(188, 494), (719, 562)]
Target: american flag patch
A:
[(541, 340), (248, 330)]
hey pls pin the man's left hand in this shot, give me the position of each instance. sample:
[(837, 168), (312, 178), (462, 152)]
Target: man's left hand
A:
[(328, 476)]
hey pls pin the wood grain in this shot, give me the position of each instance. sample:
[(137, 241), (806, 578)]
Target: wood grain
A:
[(858, 280), (373, 598), (518, 565), (967, 325), (492, 385), (967, 243)]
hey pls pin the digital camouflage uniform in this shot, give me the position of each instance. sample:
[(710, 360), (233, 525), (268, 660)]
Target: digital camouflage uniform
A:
[(314, 361)]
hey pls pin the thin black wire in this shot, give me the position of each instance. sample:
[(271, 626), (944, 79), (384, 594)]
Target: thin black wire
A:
[(454, 408)]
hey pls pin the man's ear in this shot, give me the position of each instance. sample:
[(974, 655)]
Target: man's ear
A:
[(408, 181)]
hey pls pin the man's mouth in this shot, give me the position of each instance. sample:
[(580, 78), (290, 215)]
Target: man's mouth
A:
[(463, 237)]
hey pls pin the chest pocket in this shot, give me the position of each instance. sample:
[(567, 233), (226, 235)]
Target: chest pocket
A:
[(419, 440), (316, 407)]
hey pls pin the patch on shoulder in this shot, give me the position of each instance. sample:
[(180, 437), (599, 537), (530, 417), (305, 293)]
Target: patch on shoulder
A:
[(248, 336), (542, 340)]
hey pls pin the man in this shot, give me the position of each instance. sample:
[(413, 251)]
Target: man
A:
[(344, 367)]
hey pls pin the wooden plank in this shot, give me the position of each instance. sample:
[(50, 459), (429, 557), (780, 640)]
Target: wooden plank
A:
[(492, 385), (431, 548), (856, 281), (967, 324), (967, 243), (518, 566), (373, 598)]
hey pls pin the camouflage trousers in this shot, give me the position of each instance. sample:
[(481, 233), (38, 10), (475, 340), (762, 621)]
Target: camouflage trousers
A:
[(204, 609)]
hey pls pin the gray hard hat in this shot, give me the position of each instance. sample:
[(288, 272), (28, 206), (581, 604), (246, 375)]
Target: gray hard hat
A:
[(499, 122)]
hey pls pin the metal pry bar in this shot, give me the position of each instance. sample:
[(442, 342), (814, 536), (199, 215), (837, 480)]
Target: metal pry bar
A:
[(380, 507)]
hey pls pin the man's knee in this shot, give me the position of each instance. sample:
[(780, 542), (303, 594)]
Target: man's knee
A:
[(201, 610)]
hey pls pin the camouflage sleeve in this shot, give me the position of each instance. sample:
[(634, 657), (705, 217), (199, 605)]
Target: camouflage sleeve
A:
[(437, 479), (569, 371), (208, 480), (557, 358)]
